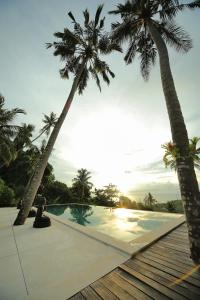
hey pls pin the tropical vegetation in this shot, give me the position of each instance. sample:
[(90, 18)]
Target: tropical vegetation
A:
[(80, 49), (148, 27), (172, 153)]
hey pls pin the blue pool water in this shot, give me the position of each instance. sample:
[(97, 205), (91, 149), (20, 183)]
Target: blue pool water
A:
[(120, 223)]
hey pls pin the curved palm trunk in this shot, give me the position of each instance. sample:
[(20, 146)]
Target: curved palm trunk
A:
[(41, 165), (185, 167)]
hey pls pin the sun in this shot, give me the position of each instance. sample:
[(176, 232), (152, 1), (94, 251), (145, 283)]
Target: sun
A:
[(108, 143)]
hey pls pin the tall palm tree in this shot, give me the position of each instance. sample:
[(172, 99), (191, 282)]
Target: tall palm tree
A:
[(80, 49), (7, 132), (171, 153), (148, 26), (81, 185)]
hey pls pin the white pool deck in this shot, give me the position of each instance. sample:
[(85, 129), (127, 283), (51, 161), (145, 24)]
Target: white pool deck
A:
[(56, 262)]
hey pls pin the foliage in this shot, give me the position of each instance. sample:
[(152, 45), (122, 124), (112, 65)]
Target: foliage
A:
[(102, 198), (7, 132), (23, 137), (133, 28), (127, 202), (7, 196), (112, 192), (170, 205), (85, 44), (81, 186), (149, 201), (57, 192), (172, 154)]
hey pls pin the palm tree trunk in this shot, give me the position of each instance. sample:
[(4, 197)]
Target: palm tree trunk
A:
[(185, 167), (41, 165)]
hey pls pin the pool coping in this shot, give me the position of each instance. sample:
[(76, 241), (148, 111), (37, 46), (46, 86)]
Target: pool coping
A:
[(131, 248)]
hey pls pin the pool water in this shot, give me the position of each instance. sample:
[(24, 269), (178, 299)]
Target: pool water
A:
[(120, 223)]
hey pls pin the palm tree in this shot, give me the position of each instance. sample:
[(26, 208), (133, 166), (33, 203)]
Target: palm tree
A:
[(81, 185), (23, 137), (148, 26), (80, 49), (172, 154), (149, 200), (7, 132), (49, 122)]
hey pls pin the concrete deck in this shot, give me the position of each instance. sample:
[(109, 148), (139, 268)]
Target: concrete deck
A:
[(50, 263)]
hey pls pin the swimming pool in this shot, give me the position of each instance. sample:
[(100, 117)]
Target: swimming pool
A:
[(120, 223)]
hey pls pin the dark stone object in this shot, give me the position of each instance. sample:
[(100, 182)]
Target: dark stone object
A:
[(32, 213), (41, 221)]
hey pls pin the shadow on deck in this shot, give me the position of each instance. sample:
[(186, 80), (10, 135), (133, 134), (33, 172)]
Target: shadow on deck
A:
[(163, 271)]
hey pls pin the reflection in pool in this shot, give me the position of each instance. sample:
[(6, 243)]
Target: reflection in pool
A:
[(121, 223)]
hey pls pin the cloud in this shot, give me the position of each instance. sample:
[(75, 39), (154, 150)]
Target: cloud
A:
[(161, 191)]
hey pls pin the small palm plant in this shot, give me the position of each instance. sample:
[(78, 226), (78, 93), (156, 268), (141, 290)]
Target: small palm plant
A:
[(149, 26), (172, 154), (80, 49)]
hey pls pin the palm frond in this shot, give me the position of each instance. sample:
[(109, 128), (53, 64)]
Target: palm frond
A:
[(106, 46), (95, 76), (147, 54), (87, 17), (97, 16), (101, 25), (125, 30), (175, 36), (71, 16), (83, 80), (125, 9), (169, 9), (131, 52), (58, 35)]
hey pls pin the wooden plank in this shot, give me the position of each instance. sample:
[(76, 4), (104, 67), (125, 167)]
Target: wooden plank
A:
[(184, 256), (174, 267), (163, 278), (89, 293), (102, 291), (132, 290), (175, 247), (179, 236), (177, 239), (169, 262), (171, 277), (115, 289), (78, 296), (150, 291), (157, 286), (167, 270), (171, 253)]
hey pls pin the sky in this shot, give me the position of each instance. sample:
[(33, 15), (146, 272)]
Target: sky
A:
[(116, 134)]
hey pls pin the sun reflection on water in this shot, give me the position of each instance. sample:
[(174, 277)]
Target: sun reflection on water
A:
[(123, 213)]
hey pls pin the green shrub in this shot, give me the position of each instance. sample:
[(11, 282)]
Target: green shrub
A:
[(7, 195)]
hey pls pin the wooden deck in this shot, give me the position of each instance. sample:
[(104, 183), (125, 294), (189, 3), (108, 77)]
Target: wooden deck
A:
[(163, 271)]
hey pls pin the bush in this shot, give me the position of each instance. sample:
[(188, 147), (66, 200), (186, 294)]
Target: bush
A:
[(7, 195), (57, 192)]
